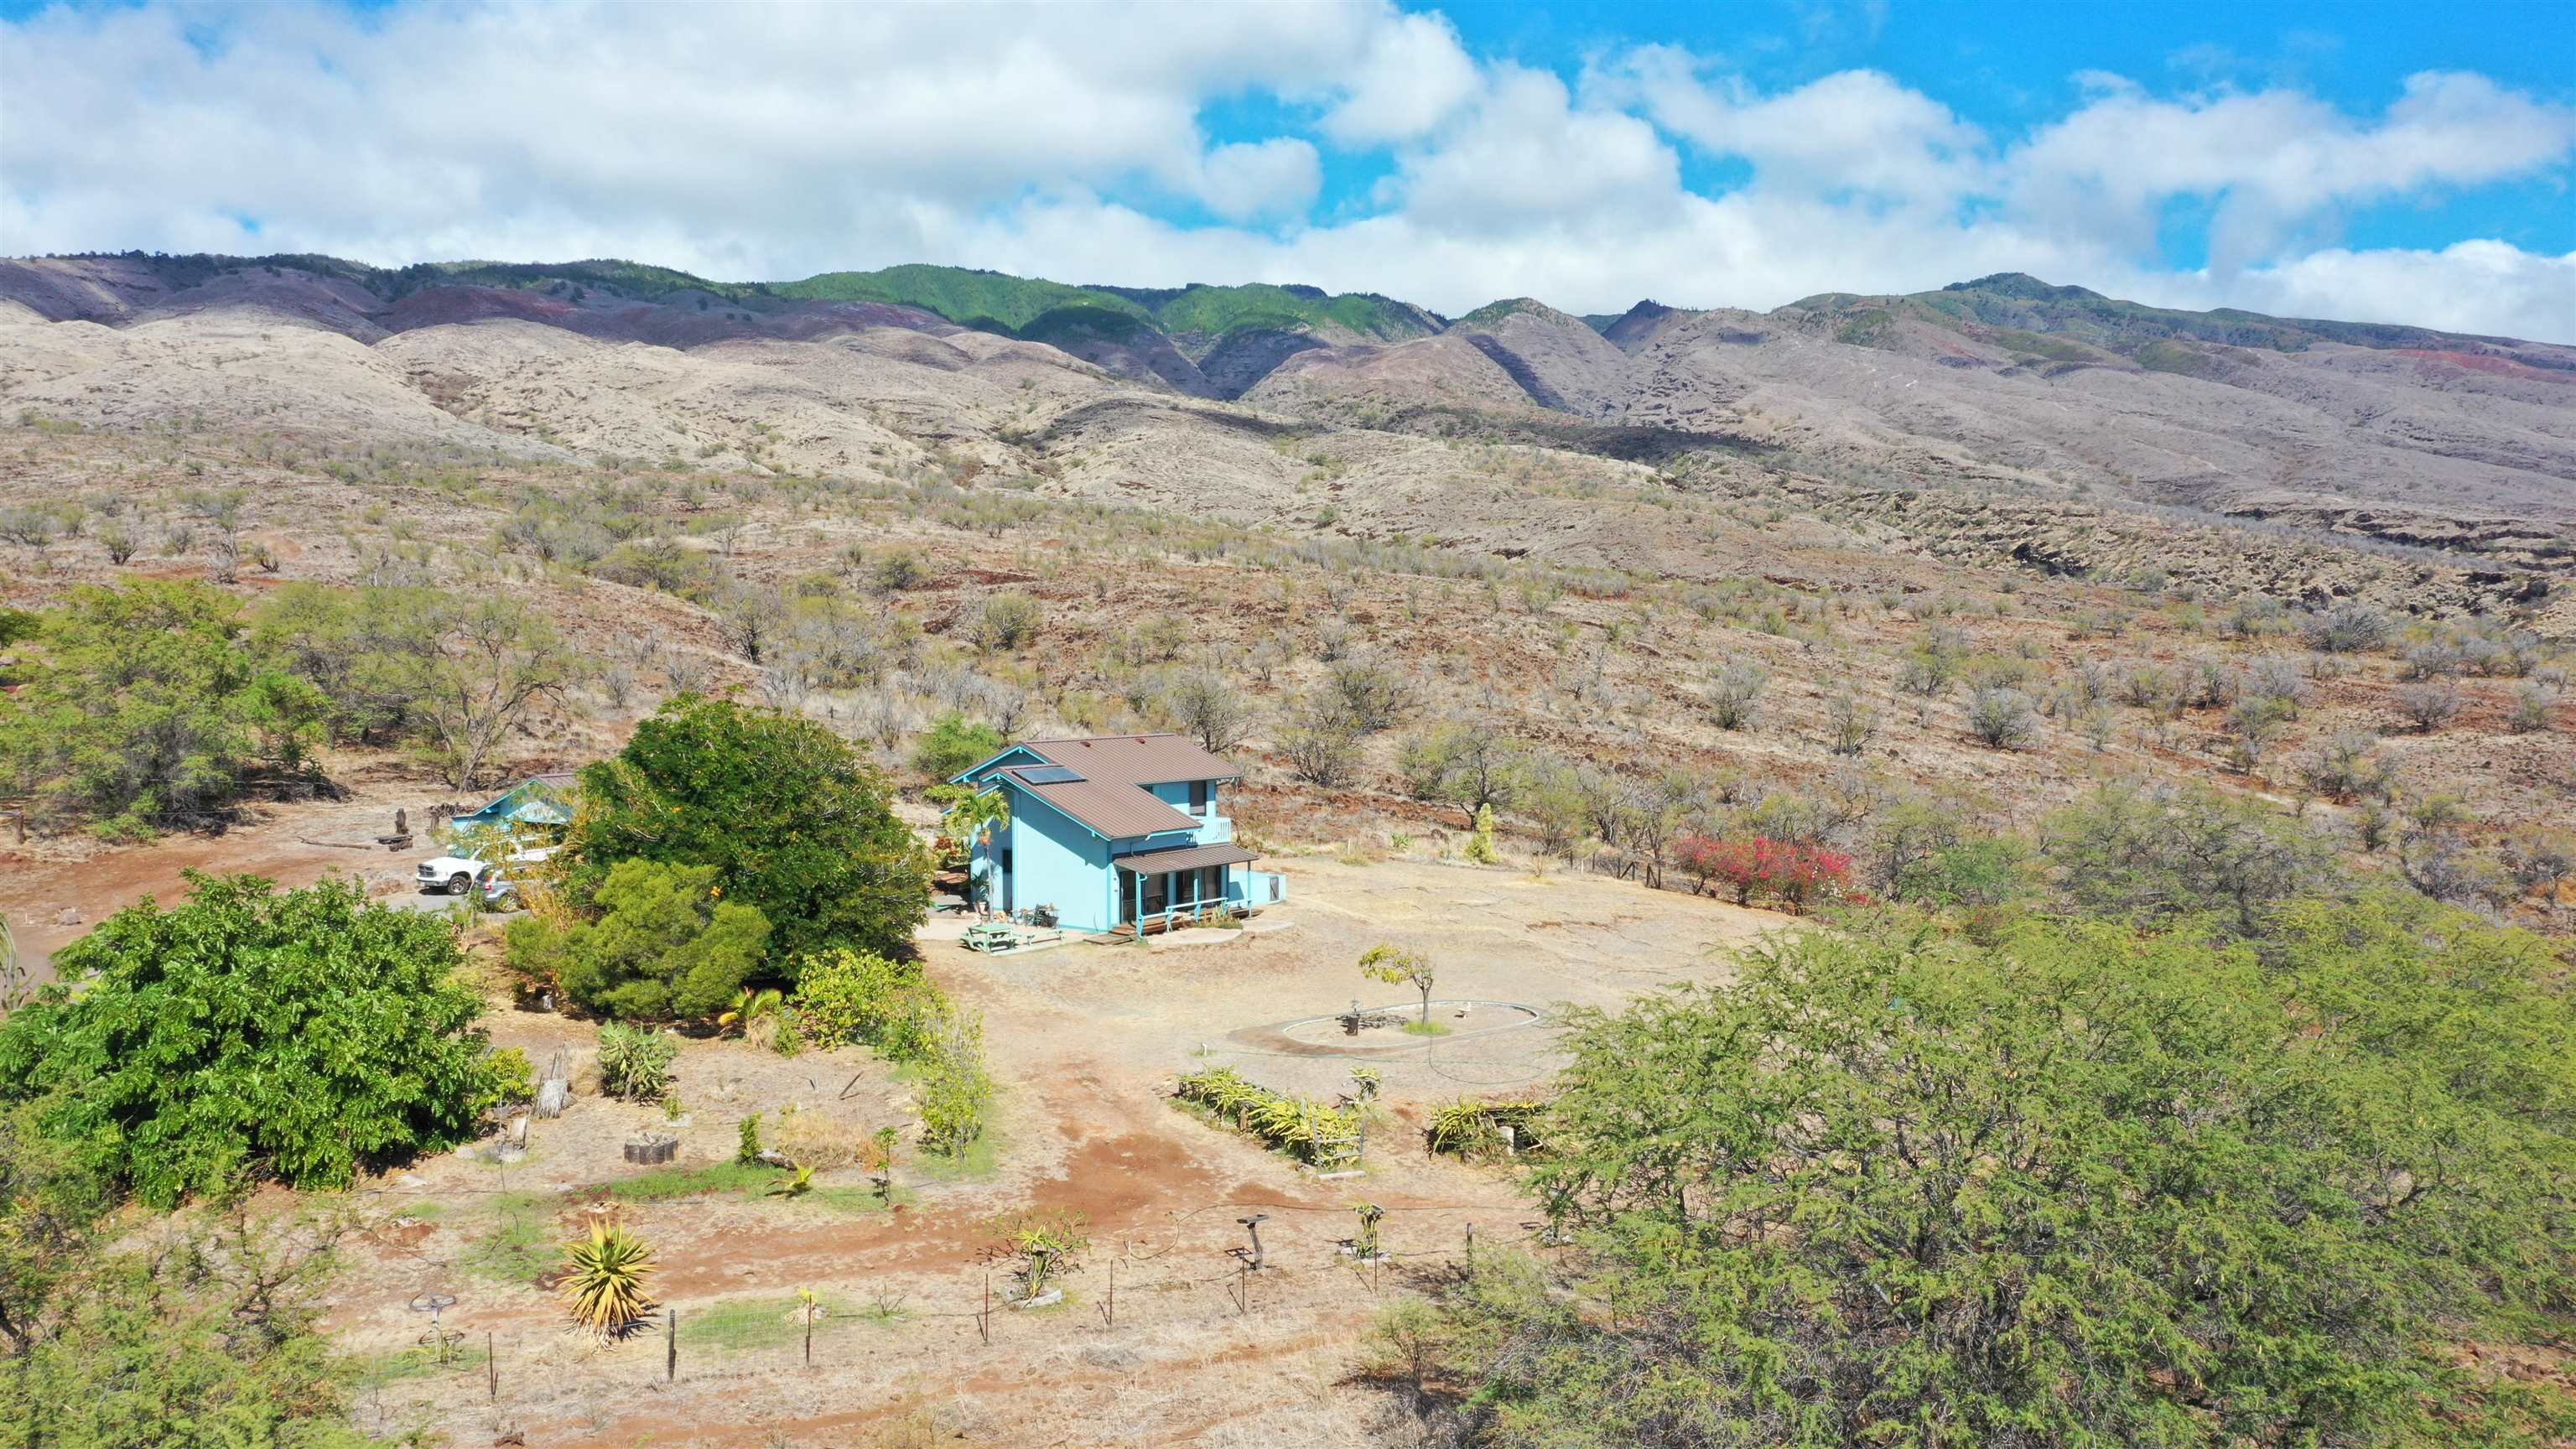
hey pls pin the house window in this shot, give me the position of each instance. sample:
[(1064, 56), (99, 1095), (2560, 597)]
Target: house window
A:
[(1198, 797)]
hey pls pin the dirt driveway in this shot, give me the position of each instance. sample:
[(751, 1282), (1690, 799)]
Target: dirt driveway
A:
[(1166, 1339)]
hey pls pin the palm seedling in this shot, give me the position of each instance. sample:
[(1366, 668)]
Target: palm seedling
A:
[(753, 1004), (798, 1182), (606, 1290)]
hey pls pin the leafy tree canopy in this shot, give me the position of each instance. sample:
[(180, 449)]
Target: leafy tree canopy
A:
[(146, 709), (206, 1335), (300, 1035), (797, 825), (954, 743), (665, 944), (2079, 1187)]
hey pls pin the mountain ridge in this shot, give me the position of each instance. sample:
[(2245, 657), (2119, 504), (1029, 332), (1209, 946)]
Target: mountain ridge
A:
[(2003, 382)]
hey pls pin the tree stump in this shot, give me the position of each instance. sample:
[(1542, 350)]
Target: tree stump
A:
[(651, 1150)]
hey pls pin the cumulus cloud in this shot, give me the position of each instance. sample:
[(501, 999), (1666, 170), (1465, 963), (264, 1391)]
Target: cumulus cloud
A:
[(775, 141)]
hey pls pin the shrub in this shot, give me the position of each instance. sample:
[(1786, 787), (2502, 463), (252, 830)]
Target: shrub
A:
[(1791, 874), (897, 570), (299, 1035), (664, 945), (844, 996), (1371, 694), (1206, 706), (2141, 853), (2533, 704), (746, 1148), (1733, 694), (956, 1087), (2001, 719), (953, 745), (1006, 622), (635, 1063), (2429, 705), (798, 827), (1322, 745), (2346, 629)]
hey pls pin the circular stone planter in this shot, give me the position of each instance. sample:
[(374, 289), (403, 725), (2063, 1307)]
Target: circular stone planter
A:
[(1324, 1035), (651, 1149)]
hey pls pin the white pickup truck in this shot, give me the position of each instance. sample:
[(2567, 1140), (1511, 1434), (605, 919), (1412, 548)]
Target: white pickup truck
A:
[(457, 874)]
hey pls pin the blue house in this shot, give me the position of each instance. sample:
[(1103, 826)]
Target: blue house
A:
[(536, 800), (1117, 831)]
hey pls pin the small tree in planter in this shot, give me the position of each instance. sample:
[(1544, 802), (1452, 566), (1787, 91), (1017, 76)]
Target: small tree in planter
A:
[(880, 1160), (1363, 1246), (1400, 966), (1047, 1247)]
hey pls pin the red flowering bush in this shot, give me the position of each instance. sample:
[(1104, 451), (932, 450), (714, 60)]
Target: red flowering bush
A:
[(1783, 872)]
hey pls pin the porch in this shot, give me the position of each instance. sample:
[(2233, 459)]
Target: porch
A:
[(1159, 888)]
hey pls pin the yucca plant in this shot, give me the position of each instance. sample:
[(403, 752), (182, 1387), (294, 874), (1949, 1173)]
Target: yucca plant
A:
[(606, 1290)]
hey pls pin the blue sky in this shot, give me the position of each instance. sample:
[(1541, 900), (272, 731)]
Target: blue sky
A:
[(2373, 161)]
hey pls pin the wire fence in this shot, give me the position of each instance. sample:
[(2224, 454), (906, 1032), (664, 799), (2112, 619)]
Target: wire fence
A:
[(1209, 1268)]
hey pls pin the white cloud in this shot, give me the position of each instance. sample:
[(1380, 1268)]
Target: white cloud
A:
[(1524, 156), (1411, 77), (1248, 179), (2273, 159), (775, 141), (1855, 131)]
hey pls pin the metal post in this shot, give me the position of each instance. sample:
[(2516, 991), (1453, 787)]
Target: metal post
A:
[(492, 1366), (809, 1335), (670, 1344), (1243, 1287), (1111, 1307), (1471, 1245), (984, 1320)]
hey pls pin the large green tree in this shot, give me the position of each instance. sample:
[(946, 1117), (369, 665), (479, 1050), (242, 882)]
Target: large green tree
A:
[(146, 708), (665, 944), (204, 1332), (798, 826), (300, 1035), (2080, 1187)]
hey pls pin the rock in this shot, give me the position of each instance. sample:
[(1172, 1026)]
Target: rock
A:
[(68, 918), (1119, 1360)]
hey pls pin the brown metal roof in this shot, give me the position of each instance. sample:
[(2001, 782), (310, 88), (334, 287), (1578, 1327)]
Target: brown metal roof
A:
[(1111, 797), (1114, 809), (1155, 759), (1189, 857)]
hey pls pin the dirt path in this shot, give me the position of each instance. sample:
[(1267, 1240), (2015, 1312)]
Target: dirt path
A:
[(53, 892), (1166, 1337)]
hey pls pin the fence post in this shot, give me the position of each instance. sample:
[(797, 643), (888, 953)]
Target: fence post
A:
[(670, 1344), (1471, 1246), (1111, 1307), (492, 1366)]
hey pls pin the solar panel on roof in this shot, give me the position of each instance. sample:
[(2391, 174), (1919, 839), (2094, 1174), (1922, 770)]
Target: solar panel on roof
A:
[(1050, 775)]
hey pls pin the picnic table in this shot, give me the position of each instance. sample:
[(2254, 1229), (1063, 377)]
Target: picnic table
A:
[(991, 936)]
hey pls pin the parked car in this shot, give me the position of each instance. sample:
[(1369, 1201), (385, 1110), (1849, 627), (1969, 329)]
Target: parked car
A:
[(456, 874)]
